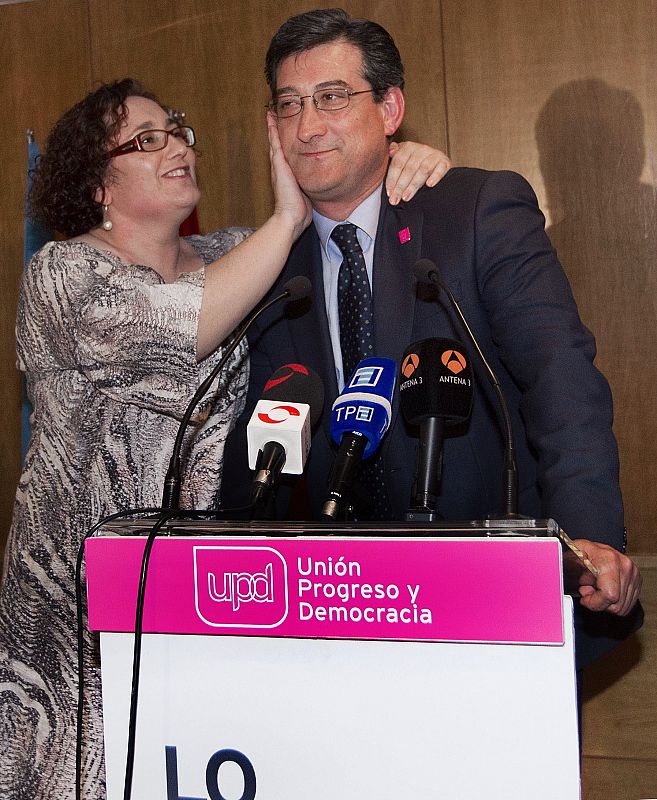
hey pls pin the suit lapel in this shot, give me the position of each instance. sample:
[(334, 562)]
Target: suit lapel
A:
[(397, 248), (394, 281), (309, 332)]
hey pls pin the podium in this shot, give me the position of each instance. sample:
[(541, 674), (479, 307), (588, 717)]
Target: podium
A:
[(287, 664)]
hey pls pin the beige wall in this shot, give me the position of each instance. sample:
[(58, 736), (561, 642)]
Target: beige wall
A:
[(562, 92)]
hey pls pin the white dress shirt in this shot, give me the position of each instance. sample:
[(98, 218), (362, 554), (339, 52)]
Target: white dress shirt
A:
[(366, 218)]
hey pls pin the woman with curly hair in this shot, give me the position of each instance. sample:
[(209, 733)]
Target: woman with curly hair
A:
[(117, 327)]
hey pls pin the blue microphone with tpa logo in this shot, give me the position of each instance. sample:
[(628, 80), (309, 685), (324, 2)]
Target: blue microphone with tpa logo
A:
[(359, 419)]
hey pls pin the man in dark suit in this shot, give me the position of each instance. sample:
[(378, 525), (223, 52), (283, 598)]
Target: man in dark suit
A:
[(337, 93)]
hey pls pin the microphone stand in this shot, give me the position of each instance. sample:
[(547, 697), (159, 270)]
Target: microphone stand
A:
[(426, 484), (338, 506), (428, 271)]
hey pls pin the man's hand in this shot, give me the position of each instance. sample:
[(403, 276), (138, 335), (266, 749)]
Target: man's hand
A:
[(617, 586), (413, 165)]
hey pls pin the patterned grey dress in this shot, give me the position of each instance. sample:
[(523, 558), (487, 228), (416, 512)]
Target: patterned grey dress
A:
[(109, 353)]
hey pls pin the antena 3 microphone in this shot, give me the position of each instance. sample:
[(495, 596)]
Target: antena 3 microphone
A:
[(359, 419), (435, 391), (436, 381)]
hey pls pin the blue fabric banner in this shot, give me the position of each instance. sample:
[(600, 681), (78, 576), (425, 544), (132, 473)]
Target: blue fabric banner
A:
[(35, 236)]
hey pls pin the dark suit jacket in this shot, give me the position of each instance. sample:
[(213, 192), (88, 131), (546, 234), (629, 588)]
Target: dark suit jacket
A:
[(485, 233)]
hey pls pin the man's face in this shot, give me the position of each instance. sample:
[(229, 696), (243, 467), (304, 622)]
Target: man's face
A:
[(338, 157)]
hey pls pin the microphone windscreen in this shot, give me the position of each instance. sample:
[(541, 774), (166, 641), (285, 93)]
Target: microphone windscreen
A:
[(298, 288), (297, 383), (426, 271), (436, 380), (365, 404)]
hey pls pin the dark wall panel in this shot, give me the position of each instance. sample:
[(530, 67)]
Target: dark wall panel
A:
[(44, 69), (207, 58), (199, 55), (564, 93)]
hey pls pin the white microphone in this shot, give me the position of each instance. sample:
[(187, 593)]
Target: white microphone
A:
[(283, 428), (280, 430)]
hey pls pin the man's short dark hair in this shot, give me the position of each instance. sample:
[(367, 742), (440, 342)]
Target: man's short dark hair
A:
[(382, 64)]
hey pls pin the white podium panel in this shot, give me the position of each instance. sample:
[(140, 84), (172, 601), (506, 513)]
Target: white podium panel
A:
[(328, 719), (297, 667)]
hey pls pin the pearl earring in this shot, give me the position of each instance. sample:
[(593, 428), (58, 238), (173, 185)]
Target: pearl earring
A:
[(107, 223)]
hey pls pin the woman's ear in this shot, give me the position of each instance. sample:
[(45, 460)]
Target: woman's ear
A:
[(103, 195)]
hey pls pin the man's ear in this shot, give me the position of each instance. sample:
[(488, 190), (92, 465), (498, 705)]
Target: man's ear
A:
[(393, 109)]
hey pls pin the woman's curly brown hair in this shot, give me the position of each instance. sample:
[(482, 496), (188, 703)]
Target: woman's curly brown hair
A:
[(75, 161)]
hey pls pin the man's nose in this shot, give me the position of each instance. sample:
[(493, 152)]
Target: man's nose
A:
[(312, 122)]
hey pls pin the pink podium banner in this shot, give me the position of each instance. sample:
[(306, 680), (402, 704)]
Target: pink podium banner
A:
[(452, 590)]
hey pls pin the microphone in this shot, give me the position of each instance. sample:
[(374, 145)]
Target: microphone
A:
[(427, 272), (295, 289), (279, 431), (298, 383), (359, 418), (435, 391)]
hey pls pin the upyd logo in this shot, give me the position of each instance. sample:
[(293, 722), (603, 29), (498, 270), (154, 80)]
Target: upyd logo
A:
[(240, 587)]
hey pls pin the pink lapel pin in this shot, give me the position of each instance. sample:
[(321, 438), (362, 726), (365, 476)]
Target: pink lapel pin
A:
[(404, 235)]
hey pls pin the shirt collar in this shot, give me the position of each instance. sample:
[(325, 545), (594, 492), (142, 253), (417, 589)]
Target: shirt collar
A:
[(365, 216)]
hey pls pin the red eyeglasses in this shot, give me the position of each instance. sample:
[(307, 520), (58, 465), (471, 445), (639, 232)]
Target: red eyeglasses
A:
[(150, 141)]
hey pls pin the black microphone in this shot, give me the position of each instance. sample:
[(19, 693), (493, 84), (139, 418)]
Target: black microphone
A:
[(427, 272), (295, 289), (435, 392), (300, 384), (278, 434)]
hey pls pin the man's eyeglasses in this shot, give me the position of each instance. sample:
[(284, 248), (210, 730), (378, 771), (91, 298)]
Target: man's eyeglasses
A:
[(333, 99), (150, 141)]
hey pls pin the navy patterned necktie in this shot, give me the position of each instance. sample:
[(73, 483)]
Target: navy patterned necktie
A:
[(357, 342), (354, 301)]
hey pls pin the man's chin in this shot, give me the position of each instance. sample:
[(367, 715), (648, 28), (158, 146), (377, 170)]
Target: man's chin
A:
[(317, 175), (320, 192)]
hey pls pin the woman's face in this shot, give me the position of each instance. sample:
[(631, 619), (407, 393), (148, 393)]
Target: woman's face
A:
[(145, 186)]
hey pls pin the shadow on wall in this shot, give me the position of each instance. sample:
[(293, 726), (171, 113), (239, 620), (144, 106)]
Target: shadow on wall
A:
[(590, 138)]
